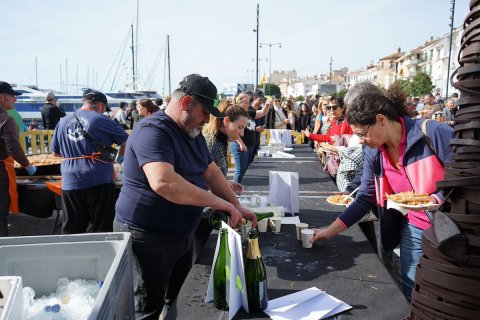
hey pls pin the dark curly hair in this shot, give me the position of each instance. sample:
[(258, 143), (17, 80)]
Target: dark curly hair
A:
[(365, 107)]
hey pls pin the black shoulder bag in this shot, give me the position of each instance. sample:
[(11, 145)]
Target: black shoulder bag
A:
[(106, 153)]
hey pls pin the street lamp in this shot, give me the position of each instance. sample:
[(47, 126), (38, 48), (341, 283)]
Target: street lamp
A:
[(270, 44)]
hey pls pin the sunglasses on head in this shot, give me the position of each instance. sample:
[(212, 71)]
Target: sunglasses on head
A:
[(332, 107)]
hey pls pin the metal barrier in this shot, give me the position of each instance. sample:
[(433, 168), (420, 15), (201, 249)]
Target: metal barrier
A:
[(36, 141)]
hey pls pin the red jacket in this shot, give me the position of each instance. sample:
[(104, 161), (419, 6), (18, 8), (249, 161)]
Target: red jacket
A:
[(335, 129)]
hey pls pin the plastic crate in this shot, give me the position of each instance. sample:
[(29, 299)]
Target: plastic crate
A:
[(11, 305), (42, 260)]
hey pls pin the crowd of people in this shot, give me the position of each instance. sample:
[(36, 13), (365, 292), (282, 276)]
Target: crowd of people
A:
[(176, 161)]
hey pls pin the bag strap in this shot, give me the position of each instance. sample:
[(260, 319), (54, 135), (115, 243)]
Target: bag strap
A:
[(84, 133)]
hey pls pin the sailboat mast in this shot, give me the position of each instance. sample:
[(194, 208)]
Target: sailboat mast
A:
[(133, 63), (36, 72), (136, 47), (168, 57)]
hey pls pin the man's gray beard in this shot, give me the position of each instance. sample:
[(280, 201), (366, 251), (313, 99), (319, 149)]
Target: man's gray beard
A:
[(192, 132)]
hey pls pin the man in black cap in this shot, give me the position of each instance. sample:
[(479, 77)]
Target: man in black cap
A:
[(87, 179), (51, 112), (167, 172), (10, 150)]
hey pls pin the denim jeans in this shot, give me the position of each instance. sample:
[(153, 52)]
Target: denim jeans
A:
[(410, 253), (161, 264), (241, 159)]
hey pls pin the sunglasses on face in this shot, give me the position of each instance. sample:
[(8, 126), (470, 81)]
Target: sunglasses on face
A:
[(277, 100), (332, 107)]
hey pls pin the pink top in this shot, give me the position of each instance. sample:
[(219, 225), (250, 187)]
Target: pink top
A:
[(398, 180)]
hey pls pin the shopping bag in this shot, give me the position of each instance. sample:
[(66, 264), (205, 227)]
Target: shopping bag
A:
[(237, 296), (284, 190)]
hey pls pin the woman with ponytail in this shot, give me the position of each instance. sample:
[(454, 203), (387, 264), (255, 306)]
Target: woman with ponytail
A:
[(399, 156)]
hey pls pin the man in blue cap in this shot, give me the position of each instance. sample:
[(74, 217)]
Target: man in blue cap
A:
[(168, 171), (88, 185), (10, 149)]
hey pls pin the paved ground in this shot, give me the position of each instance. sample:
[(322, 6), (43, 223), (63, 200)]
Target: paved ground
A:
[(25, 225)]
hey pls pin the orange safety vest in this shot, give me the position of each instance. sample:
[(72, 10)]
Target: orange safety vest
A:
[(12, 184)]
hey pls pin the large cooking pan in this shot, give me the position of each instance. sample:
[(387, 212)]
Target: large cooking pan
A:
[(45, 170)]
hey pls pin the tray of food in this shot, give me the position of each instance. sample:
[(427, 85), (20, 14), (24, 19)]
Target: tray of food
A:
[(47, 165), (340, 200), (412, 201)]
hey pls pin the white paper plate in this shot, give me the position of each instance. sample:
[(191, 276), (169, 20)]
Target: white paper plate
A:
[(404, 208), (329, 200)]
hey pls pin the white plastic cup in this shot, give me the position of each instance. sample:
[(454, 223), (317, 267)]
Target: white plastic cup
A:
[(263, 201), (278, 211), (262, 225), (299, 227), (307, 235), (276, 224)]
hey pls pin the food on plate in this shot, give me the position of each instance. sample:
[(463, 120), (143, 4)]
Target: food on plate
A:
[(339, 199), (410, 198), (42, 160)]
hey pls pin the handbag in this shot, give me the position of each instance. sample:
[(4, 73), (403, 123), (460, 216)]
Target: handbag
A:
[(333, 160), (106, 153), (390, 228)]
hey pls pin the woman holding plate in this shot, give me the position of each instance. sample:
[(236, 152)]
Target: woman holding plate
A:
[(399, 156)]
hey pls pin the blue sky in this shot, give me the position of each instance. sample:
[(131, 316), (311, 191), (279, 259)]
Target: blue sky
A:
[(210, 37)]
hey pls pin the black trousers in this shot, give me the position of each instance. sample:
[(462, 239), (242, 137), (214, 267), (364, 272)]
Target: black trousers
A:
[(93, 206), (161, 265)]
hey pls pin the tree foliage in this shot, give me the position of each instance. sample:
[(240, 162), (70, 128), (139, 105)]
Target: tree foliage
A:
[(340, 93), (299, 98), (272, 89), (417, 86)]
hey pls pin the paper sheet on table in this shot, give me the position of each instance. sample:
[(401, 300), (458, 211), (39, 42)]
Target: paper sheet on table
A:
[(275, 136), (290, 220), (281, 154), (309, 304), (284, 190), (287, 137), (237, 296)]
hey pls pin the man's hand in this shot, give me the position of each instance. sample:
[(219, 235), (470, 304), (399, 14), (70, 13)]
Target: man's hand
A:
[(260, 129), (234, 213), (236, 187), (247, 214)]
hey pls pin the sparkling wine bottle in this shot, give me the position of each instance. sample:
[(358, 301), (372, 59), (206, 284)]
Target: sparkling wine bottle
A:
[(255, 275), (221, 273)]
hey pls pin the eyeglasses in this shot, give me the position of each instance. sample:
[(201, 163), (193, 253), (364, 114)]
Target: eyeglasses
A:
[(364, 132), (334, 107)]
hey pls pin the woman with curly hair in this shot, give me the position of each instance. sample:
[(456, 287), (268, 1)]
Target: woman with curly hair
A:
[(400, 155)]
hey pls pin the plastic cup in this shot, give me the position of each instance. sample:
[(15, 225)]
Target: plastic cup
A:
[(278, 211), (299, 227), (307, 235), (276, 224), (262, 225)]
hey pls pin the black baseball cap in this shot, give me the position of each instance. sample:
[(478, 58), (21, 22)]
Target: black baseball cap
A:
[(96, 96), (203, 90), (5, 87)]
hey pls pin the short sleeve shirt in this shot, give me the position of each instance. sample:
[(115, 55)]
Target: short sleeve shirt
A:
[(70, 143), (249, 135), (159, 139)]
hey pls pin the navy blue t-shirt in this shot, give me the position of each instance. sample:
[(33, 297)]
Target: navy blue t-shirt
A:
[(67, 141), (159, 139)]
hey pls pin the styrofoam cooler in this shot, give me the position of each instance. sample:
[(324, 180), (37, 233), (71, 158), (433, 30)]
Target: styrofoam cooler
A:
[(107, 257), (11, 304)]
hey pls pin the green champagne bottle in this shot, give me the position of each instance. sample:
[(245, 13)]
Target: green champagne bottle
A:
[(221, 273), (263, 215), (255, 275), (215, 218)]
